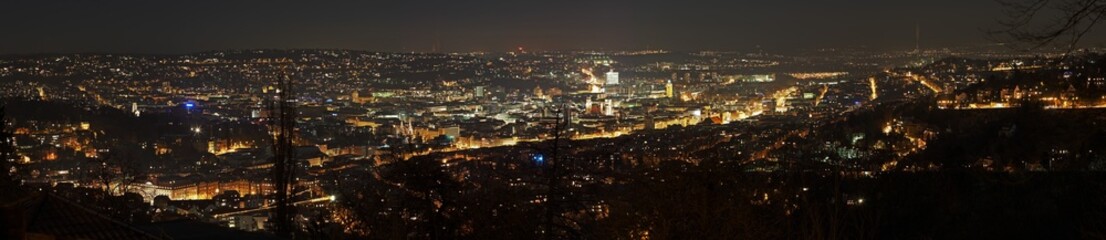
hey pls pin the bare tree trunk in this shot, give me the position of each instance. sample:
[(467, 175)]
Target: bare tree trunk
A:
[(284, 164), (7, 154)]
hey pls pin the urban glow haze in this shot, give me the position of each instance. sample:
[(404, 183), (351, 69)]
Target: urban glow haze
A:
[(464, 26)]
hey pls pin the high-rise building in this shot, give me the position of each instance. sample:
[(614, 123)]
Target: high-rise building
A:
[(479, 91), (134, 109), (608, 107), (612, 78), (587, 105), (668, 93)]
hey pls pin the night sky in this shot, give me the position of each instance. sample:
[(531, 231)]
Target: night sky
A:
[(181, 27)]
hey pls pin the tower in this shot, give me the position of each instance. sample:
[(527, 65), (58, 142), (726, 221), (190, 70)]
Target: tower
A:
[(668, 89), (917, 38)]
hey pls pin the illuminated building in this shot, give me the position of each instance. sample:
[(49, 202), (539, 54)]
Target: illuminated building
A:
[(452, 131), (198, 190), (1097, 82), (668, 89), (134, 109), (781, 104), (608, 108), (357, 98), (588, 105), (759, 78), (612, 78), (597, 89)]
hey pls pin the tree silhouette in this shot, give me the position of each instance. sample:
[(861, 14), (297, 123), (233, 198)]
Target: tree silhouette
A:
[(1041, 23), (7, 157), (116, 172), (284, 164)]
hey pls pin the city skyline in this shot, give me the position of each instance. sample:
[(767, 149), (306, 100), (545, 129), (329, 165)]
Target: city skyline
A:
[(791, 119)]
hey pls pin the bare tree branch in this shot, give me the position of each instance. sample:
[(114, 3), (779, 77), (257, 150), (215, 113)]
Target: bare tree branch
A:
[(1044, 23)]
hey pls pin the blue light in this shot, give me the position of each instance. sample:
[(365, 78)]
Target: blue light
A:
[(189, 105), (538, 159)]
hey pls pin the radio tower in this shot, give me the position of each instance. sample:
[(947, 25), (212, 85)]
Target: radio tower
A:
[(917, 38)]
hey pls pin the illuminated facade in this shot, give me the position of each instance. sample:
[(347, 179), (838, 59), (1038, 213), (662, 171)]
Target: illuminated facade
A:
[(612, 78), (200, 190), (668, 93)]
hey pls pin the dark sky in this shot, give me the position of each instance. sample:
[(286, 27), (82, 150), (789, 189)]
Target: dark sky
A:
[(188, 26)]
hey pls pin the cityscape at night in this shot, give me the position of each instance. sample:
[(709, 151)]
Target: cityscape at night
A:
[(648, 119)]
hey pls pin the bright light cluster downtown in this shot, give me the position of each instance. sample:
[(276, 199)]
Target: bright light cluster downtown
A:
[(533, 120)]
